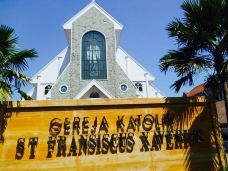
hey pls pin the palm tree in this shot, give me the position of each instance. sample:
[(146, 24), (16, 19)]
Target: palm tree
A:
[(3, 96), (202, 40), (12, 63)]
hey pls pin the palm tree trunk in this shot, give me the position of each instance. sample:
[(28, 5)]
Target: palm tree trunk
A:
[(225, 90)]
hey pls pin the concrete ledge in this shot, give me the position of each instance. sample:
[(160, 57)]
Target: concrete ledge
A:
[(103, 102)]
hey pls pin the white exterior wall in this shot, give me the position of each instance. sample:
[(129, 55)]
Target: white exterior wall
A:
[(48, 75), (135, 70), (50, 72), (32, 92), (136, 73)]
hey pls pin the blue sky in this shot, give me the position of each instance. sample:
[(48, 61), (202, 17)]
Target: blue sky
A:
[(38, 24)]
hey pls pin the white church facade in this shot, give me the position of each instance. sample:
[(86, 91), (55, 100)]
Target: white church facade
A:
[(93, 65)]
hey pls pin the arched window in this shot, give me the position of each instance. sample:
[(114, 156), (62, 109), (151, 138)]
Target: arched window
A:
[(94, 95), (138, 85), (47, 89), (93, 56)]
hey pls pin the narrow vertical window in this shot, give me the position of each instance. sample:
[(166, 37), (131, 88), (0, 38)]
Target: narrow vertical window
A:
[(138, 85), (47, 89), (93, 56)]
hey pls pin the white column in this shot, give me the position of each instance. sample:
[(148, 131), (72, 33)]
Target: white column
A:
[(126, 64), (147, 84), (38, 91)]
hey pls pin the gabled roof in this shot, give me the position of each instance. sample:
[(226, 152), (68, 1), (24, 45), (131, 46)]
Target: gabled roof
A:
[(133, 59), (61, 54), (68, 24), (89, 86), (196, 90)]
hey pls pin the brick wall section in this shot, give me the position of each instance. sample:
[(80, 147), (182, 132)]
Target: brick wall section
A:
[(93, 20)]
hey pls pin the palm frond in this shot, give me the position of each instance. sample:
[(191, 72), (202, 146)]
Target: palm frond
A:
[(5, 89), (185, 60), (18, 60), (13, 77), (178, 30), (7, 40), (24, 95), (187, 79), (12, 63), (3, 95), (191, 10)]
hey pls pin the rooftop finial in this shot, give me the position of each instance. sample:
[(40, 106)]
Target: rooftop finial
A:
[(93, 0)]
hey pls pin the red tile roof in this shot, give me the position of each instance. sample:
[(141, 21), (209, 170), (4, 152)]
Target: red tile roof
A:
[(198, 89)]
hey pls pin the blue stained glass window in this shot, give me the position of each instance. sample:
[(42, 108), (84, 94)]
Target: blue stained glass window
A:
[(93, 56)]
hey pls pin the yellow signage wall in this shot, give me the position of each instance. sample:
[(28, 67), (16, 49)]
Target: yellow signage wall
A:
[(117, 134)]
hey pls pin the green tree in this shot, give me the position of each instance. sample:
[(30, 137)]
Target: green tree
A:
[(12, 63), (202, 45)]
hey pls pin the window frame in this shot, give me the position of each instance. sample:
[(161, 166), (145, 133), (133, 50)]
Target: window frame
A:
[(139, 86), (61, 87), (47, 88), (105, 71), (94, 93), (124, 91)]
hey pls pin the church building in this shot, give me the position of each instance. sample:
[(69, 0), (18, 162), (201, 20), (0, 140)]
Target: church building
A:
[(93, 65)]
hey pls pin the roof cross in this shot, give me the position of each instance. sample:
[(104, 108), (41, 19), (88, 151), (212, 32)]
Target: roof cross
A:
[(93, 0)]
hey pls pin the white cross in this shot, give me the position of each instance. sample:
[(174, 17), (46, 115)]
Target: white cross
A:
[(93, 0)]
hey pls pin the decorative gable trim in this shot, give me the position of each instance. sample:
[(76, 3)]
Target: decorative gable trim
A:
[(89, 86)]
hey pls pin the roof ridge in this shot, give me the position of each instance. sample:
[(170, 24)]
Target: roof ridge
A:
[(87, 7)]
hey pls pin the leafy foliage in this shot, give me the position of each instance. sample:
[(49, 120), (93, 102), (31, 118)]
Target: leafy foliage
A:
[(12, 63), (202, 39)]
